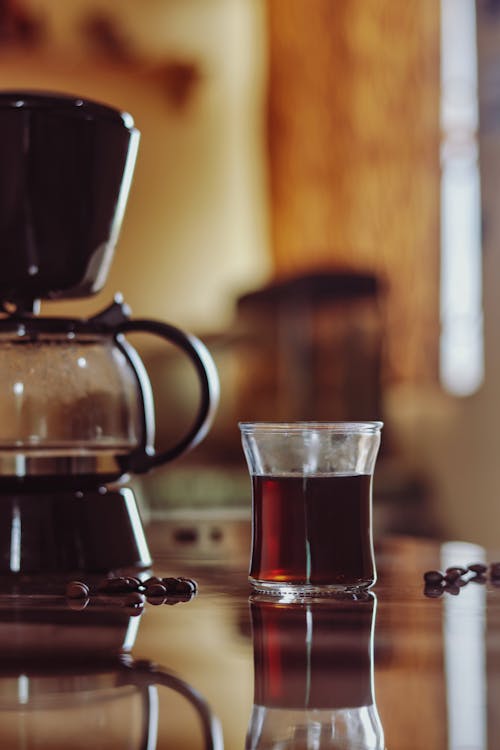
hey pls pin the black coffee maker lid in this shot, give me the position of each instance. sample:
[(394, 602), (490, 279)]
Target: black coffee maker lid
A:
[(66, 166), (65, 104)]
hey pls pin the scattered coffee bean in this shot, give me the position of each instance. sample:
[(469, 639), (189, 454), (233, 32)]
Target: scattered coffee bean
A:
[(156, 589), (170, 584), (433, 576), (134, 583), (131, 592), (433, 590), (156, 600), (453, 573), (184, 587), (171, 600), (477, 568), (478, 578), (150, 581), (77, 590), (184, 597), (134, 602), (456, 576), (191, 582)]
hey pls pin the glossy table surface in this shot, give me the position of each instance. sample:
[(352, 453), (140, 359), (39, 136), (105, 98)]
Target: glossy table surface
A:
[(398, 667)]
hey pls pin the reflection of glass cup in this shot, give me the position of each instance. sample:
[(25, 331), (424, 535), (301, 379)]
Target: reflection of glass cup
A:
[(311, 505), (313, 664)]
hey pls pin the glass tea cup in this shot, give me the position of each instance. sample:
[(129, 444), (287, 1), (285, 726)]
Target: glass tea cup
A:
[(311, 505)]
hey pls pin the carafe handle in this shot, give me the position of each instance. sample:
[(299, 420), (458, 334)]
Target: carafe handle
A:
[(145, 675), (145, 457)]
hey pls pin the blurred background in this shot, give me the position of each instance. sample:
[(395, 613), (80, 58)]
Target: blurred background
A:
[(315, 197)]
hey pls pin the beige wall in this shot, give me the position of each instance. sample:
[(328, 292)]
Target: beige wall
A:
[(195, 231)]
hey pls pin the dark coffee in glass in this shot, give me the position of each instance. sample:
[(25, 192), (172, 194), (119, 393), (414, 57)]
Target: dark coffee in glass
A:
[(313, 530)]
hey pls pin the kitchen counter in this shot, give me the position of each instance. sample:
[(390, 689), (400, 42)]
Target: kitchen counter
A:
[(420, 669)]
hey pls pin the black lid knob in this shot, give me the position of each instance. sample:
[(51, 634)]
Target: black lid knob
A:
[(65, 169)]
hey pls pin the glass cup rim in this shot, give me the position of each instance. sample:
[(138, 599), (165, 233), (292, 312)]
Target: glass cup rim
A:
[(338, 427)]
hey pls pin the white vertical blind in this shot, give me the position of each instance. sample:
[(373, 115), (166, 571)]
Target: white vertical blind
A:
[(461, 343)]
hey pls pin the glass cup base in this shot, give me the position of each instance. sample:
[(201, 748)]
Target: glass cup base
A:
[(304, 590)]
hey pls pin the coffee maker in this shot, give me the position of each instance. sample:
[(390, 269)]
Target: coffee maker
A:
[(76, 407)]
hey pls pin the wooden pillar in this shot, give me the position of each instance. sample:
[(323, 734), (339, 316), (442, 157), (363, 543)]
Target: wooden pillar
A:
[(353, 131)]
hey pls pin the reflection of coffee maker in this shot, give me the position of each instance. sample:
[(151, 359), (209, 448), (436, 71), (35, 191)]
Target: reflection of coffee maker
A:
[(313, 662), (76, 410), (68, 680)]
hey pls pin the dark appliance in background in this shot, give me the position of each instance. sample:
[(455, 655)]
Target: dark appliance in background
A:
[(76, 408), (314, 349)]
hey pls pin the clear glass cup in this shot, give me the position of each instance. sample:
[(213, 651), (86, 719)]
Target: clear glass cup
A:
[(311, 505)]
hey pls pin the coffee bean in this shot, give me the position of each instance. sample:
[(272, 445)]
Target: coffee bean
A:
[(478, 568), (135, 603), (156, 589), (135, 583), (433, 590), (433, 576), (191, 582), (478, 578), (452, 573), (155, 601), (452, 588), (134, 600), (77, 590), (184, 597), (495, 570), (150, 581), (170, 584), (184, 587)]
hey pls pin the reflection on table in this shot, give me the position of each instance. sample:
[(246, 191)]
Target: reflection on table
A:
[(313, 673), (394, 667)]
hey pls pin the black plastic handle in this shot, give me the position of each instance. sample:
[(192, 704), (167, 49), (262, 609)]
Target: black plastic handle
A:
[(145, 457)]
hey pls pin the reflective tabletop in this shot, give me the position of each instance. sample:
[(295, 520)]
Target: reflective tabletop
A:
[(403, 666)]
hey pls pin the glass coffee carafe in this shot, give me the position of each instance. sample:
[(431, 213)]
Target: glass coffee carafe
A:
[(77, 407)]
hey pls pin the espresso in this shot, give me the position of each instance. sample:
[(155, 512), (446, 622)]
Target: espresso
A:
[(313, 530)]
